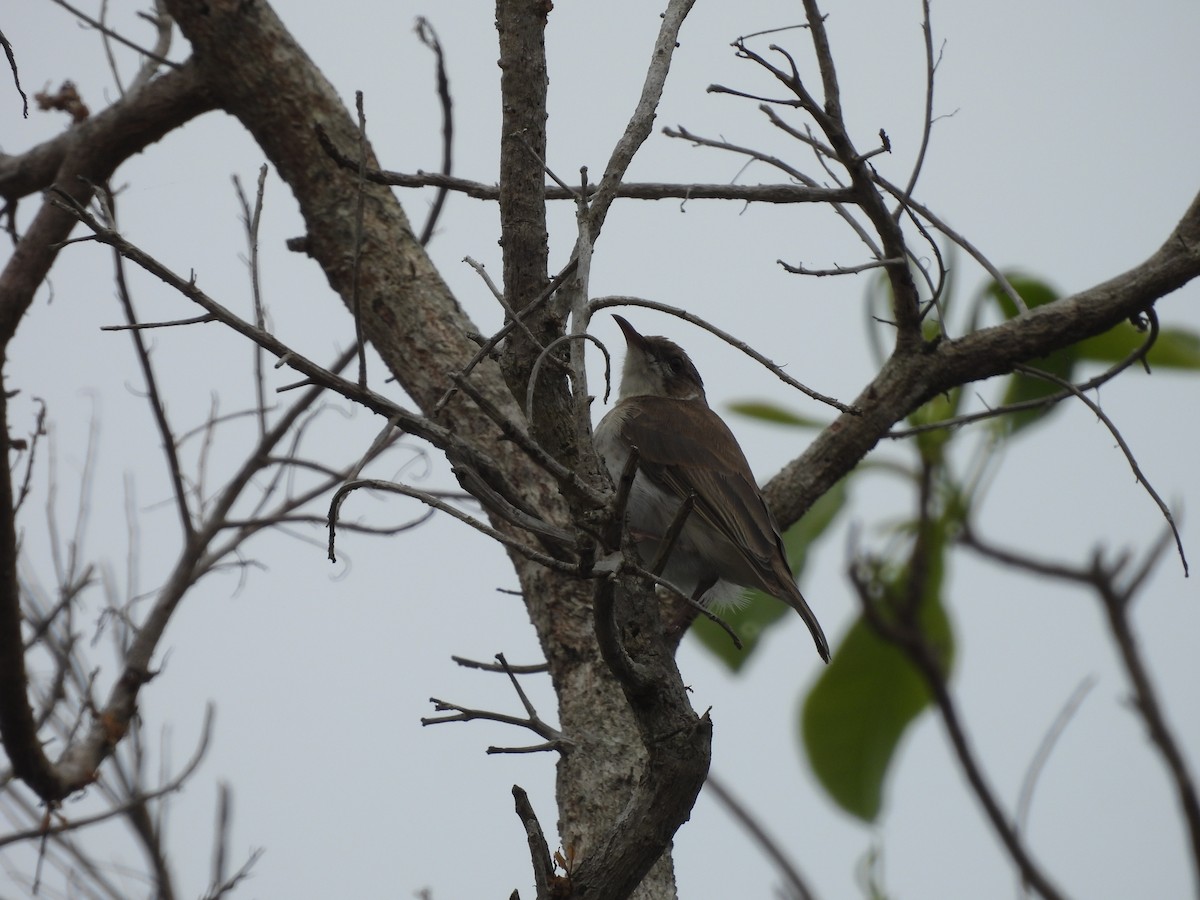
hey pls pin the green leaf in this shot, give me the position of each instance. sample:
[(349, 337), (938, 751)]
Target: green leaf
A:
[(769, 412), (756, 617), (1060, 363), (862, 705), (931, 444), (1176, 348), (1033, 291)]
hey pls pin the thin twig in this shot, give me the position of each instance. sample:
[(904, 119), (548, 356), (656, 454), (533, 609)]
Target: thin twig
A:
[(12, 65), (478, 190), (899, 624), (1130, 458), (1102, 578), (146, 326), (1045, 748), (153, 395), (251, 217), (539, 851), (427, 36), (931, 65), (440, 505), (84, 17), (799, 269), (359, 211), (640, 123), (537, 365), (1136, 356), (535, 669), (488, 346), (169, 788), (787, 868), (773, 368)]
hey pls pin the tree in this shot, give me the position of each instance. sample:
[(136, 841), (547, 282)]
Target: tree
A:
[(535, 476)]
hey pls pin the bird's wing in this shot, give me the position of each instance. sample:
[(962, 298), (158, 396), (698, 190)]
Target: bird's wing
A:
[(702, 457)]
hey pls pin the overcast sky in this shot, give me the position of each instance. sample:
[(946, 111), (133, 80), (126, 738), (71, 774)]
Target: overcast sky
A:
[(1066, 146)]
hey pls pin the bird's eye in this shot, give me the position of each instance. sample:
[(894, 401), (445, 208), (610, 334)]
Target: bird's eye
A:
[(676, 364)]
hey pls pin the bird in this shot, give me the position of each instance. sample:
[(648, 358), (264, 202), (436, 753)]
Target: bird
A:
[(729, 540)]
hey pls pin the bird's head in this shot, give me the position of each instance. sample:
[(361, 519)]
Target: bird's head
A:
[(657, 367)]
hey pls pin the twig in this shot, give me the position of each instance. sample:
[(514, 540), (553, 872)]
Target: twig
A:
[(39, 431), (1045, 748), (251, 217), (477, 190), (799, 269), (1102, 578), (510, 313), (640, 123), (900, 626), (1136, 356), (227, 886), (555, 739), (12, 65), (440, 505), (956, 237), (146, 326), (776, 370), (427, 36), (83, 17), (539, 851), (490, 344), (567, 478), (359, 209), (787, 868), (318, 376), (535, 669), (931, 65), (170, 787), (537, 365), (153, 395), (1115, 432)]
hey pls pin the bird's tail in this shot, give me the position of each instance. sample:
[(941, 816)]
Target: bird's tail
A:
[(796, 601)]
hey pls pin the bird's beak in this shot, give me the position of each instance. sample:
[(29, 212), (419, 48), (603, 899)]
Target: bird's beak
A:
[(632, 338)]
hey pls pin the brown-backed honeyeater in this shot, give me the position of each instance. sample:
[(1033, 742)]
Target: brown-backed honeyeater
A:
[(729, 540)]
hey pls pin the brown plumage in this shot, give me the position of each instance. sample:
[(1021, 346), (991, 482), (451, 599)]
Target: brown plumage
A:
[(684, 448)]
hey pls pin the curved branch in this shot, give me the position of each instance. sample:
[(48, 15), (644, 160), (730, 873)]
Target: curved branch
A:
[(640, 123), (606, 302), (92, 150), (908, 379), (1120, 439)]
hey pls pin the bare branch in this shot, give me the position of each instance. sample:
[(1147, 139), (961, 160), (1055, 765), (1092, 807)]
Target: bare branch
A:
[(1136, 356), (508, 668), (539, 852), (129, 803), (1046, 747), (748, 193), (799, 269), (99, 26), (251, 217), (489, 346), (638, 128), (555, 740), (359, 209), (12, 65), (787, 868), (153, 395), (775, 369), (440, 505), (1115, 432), (909, 638), (1102, 577), (429, 38)]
